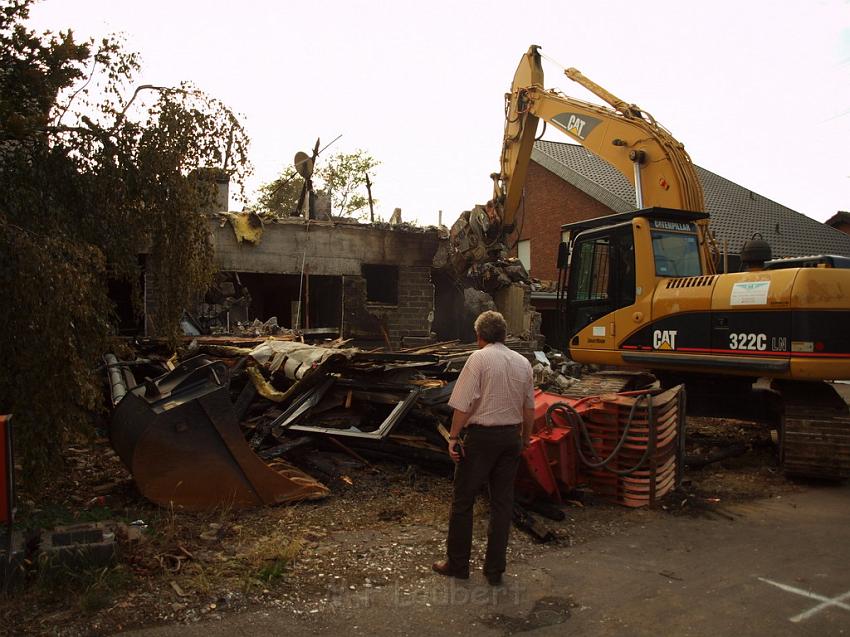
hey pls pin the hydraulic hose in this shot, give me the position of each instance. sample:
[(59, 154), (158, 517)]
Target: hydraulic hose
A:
[(573, 417)]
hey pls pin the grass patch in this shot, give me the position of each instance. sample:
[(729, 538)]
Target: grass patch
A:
[(89, 589), (271, 557), (53, 515)]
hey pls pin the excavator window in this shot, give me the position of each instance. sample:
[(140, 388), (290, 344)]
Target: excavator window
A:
[(592, 274), (676, 254), (602, 275)]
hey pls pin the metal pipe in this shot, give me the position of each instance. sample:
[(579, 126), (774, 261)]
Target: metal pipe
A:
[(638, 186), (117, 386), (300, 290)]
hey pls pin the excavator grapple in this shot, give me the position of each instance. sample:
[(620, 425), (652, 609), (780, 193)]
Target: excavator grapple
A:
[(179, 437)]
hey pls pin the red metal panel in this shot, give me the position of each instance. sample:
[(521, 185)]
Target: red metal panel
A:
[(606, 421), (537, 475)]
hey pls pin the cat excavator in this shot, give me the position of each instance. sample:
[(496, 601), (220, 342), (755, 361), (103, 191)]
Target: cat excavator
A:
[(648, 289)]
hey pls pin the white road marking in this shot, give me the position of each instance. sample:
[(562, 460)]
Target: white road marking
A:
[(826, 602)]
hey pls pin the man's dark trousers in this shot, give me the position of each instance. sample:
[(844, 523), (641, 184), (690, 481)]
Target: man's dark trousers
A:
[(491, 457)]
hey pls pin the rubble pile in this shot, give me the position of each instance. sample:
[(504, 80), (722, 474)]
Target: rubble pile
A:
[(224, 305), (285, 403)]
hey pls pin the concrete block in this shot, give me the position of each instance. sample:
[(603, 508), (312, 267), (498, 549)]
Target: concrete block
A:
[(12, 563), (79, 545)]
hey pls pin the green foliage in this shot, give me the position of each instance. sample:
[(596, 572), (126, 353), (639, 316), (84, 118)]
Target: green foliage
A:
[(92, 172), (280, 197), (342, 175)]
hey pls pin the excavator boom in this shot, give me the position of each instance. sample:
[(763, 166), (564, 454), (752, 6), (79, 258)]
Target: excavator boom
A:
[(624, 135)]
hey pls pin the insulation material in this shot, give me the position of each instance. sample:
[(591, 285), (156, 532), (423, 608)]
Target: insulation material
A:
[(247, 226)]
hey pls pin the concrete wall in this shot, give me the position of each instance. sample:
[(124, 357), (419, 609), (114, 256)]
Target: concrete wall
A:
[(339, 249), (549, 203), (331, 248)]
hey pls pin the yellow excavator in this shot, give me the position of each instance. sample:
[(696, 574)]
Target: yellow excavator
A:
[(646, 289)]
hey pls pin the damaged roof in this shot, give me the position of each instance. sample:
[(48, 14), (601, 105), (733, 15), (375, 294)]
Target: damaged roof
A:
[(736, 212)]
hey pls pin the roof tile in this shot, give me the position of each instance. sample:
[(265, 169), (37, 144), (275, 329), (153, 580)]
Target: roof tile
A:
[(736, 212)]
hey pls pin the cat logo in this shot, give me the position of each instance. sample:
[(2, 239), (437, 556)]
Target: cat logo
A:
[(664, 339), (575, 126), (578, 126)]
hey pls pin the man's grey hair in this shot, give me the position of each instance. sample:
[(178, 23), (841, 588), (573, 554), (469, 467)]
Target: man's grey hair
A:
[(491, 327)]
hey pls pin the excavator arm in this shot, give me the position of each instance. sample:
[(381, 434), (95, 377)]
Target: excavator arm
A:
[(623, 134)]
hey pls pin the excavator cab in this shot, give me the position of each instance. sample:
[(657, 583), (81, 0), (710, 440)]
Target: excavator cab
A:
[(614, 263)]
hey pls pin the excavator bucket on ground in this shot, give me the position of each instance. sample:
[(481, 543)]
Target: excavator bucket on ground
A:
[(179, 437)]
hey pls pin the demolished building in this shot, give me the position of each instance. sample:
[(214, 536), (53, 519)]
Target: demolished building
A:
[(322, 278), (379, 284)]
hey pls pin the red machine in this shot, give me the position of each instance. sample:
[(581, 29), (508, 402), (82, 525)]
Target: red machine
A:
[(627, 447)]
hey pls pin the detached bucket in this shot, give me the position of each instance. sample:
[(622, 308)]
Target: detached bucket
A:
[(179, 437)]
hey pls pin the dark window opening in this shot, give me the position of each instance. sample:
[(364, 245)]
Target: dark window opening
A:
[(381, 283), (128, 313), (311, 302), (451, 316), (592, 273)]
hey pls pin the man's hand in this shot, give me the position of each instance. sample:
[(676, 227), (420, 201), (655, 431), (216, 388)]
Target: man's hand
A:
[(456, 454), (459, 420)]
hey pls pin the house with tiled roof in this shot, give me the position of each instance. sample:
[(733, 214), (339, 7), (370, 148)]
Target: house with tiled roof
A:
[(567, 183), (840, 221)]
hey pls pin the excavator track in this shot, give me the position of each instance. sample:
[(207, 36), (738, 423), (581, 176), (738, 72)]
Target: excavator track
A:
[(815, 433)]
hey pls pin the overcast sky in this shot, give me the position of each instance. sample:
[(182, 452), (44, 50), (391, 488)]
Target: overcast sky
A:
[(758, 91)]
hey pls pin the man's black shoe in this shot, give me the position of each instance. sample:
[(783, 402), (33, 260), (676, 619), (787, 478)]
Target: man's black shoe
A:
[(443, 568), (494, 579)]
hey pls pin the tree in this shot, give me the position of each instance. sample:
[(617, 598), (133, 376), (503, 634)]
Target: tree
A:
[(280, 197), (343, 176), (92, 172)]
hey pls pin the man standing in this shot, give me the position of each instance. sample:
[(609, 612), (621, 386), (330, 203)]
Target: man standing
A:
[(493, 403)]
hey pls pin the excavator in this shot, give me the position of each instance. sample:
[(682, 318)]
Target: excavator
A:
[(648, 289)]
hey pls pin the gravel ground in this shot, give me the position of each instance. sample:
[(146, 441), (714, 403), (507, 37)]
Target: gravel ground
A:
[(381, 527)]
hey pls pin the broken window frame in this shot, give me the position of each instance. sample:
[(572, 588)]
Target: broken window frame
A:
[(382, 283), (288, 420)]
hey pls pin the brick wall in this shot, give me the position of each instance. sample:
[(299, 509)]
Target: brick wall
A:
[(842, 226), (549, 203), (151, 302), (415, 303), (414, 312)]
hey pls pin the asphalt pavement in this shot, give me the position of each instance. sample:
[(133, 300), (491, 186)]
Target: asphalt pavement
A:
[(779, 566)]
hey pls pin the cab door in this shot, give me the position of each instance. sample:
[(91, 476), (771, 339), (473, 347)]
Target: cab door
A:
[(601, 281)]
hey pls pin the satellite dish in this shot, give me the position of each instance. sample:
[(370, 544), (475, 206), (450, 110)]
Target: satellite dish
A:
[(303, 164)]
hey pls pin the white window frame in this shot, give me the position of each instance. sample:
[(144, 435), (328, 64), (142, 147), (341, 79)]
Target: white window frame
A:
[(523, 252)]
